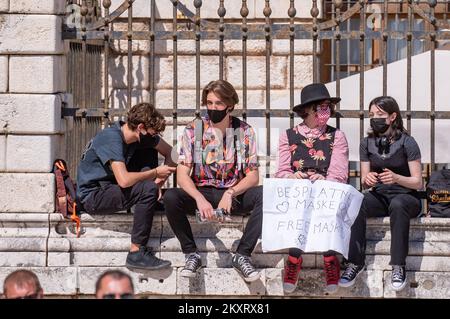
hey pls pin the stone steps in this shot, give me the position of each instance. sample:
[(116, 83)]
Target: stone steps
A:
[(69, 266)]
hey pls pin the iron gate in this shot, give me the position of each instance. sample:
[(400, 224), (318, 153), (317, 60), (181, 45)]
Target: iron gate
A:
[(91, 34)]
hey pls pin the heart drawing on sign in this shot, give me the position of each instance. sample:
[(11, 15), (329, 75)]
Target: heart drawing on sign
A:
[(283, 207)]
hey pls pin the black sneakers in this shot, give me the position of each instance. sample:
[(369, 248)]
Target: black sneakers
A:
[(350, 274), (398, 278), (193, 264), (245, 268), (144, 258)]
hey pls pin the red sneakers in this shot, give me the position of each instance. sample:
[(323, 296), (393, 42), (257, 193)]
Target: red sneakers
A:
[(332, 272), (291, 272)]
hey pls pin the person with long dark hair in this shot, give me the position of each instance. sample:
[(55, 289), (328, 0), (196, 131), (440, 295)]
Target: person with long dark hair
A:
[(391, 169)]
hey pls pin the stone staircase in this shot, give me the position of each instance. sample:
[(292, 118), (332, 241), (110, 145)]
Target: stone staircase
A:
[(68, 266)]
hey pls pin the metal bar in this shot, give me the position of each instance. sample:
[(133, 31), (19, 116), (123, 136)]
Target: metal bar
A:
[(130, 54), (408, 69), (244, 14), (338, 5), (221, 12), (175, 82), (197, 5), (362, 57), (152, 52), (291, 13), (433, 90), (256, 32), (267, 12), (315, 35), (351, 114), (84, 86), (384, 49)]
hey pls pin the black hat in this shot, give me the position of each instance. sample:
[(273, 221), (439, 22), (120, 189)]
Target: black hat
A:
[(313, 93)]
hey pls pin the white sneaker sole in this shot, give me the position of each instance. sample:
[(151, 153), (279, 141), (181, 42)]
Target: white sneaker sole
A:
[(249, 279), (289, 288), (189, 274), (400, 287)]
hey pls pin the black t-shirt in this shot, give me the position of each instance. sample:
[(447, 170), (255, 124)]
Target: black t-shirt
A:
[(401, 151), (108, 145)]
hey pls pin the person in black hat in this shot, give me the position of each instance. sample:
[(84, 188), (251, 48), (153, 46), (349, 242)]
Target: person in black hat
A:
[(313, 150)]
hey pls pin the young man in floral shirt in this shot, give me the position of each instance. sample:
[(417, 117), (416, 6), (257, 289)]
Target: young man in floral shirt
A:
[(217, 169)]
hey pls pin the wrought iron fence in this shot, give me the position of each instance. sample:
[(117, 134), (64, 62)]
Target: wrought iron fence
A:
[(89, 27)]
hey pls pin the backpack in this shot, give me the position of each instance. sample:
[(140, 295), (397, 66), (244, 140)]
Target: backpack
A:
[(438, 194), (65, 199)]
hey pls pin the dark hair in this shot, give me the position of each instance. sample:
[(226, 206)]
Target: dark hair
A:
[(224, 90), (390, 106), (20, 278), (146, 114), (114, 274), (303, 114)]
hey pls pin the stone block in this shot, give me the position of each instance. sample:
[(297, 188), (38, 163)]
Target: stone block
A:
[(219, 282), (100, 258), (413, 263), (38, 6), (118, 72), (2, 153), (54, 280), (209, 70), (283, 47), (312, 284), (22, 259), (30, 153), (29, 192), (31, 34), (4, 5), (37, 74), (303, 71), (161, 282), (41, 113), (17, 244), (4, 72), (58, 259), (256, 72), (429, 285)]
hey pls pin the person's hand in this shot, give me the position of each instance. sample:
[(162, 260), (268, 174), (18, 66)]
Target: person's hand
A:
[(388, 177), (316, 177), (205, 208), (164, 171), (298, 175), (371, 179), (226, 202), (160, 183)]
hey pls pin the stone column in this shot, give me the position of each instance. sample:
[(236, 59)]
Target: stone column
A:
[(32, 79)]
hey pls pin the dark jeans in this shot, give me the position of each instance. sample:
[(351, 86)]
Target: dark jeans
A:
[(400, 208), (111, 198), (178, 204)]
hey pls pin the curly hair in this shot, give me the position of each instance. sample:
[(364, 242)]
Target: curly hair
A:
[(146, 114)]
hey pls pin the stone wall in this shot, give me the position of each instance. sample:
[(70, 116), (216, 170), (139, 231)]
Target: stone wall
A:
[(32, 82)]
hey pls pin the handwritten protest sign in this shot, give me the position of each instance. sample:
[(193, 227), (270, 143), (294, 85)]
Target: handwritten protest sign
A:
[(315, 217)]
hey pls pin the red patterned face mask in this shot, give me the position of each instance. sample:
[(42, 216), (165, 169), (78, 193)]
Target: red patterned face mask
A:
[(322, 116)]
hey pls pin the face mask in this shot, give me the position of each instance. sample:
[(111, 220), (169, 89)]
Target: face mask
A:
[(379, 125), (217, 116), (322, 116)]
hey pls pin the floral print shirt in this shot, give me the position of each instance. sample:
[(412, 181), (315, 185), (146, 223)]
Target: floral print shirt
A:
[(217, 160)]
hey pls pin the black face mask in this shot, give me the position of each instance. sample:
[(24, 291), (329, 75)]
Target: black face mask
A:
[(217, 116), (379, 125)]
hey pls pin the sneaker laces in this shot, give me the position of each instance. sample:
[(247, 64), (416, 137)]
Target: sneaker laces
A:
[(331, 270), (398, 274), (245, 265), (290, 272), (350, 272), (192, 262)]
